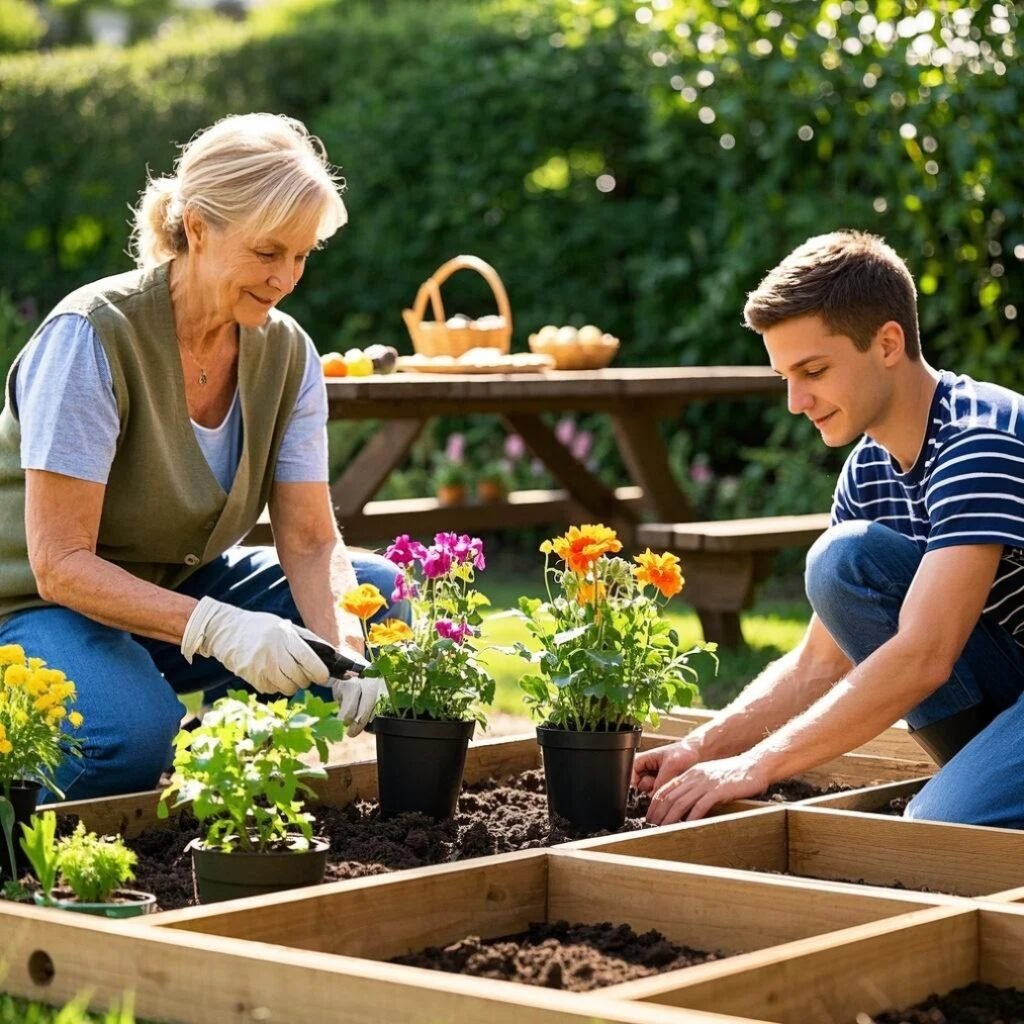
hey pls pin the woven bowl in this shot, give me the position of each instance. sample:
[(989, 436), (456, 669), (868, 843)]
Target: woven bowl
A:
[(577, 355)]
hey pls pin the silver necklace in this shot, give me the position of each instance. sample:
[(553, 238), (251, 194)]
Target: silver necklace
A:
[(203, 379)]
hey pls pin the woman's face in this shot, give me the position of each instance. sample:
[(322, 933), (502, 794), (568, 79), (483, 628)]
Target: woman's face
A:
[(242, 276)]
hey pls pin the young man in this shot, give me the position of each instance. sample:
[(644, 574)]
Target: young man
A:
[(918, 587)]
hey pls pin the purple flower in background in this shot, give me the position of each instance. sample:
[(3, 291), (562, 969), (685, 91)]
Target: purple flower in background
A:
[(470, 549), (457, 631), (446, 541), (436, 562), (700, 473), (405, 551), (565, 430), (455, 449), (405, 589), (581, 445), (515, 447), (537, 467)]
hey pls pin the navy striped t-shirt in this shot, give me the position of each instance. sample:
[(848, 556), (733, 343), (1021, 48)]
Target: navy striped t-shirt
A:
[(966, 487)]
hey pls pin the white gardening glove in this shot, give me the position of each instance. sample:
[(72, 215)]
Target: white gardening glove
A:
[(265, 650), (356, 700)]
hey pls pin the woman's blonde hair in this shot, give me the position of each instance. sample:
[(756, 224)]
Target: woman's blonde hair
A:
[(253, 170)]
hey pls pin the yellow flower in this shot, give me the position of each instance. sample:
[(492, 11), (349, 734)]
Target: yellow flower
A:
[(6, 746), (16, 675), (36, 663), (3, 731), (582, 546), (12, 654), (75, 718), (390, 631), (591, 593), (45, 702), (365, 601), (661, 571), (56, 714), (36, 684)]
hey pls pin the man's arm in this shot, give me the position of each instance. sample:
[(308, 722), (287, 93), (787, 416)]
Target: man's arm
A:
[(933, 630), (314, 559), (787, 686)]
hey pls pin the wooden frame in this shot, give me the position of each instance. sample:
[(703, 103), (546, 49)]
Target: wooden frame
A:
[(887, 965), (839, 846)]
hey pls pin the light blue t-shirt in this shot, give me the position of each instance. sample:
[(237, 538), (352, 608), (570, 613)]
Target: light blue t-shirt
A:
[(69, 421)]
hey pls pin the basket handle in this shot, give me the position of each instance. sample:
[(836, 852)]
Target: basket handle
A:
[(431, 288)]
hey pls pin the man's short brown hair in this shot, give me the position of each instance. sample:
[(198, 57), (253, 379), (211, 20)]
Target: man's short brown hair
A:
[(852, 280)]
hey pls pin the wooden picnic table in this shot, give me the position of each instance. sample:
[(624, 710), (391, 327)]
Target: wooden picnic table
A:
[(635, 399)]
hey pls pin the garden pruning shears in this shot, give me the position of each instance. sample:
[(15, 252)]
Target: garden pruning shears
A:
[(346, 665)]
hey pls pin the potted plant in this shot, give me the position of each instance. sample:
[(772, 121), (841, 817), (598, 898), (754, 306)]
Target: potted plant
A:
[(450, 480), (82, 872), (607, 663), (492, 483), (242, 772), (36, 734), (434, 685)]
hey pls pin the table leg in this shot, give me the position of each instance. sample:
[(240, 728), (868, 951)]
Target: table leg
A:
[(365, 474), (646, 458), (599, 500)]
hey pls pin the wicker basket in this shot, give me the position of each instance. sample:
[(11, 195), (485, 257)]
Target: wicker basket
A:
[(435, 337), (577, 355)]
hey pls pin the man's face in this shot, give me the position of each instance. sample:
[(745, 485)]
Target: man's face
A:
[(841, 390)]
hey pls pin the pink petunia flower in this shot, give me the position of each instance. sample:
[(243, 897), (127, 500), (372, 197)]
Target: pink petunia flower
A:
[(457, 631), (404, 551)]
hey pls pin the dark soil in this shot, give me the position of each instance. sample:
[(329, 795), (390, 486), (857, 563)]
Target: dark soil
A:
[(577, 957), (790, 790), (972, 1004), (895, 807)]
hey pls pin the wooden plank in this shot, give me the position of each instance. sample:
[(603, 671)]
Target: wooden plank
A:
[(370, 917), (1001, 938), (363, 476), (831, 979), (767, 533), (191, 978), (867, 798), (646, 457), (963, 860), (860, 770), (713, 908)]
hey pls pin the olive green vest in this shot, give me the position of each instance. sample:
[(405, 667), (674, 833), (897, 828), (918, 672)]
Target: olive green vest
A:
[(164, 513)]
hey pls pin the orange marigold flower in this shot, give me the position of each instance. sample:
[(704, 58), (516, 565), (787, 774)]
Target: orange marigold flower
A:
[(661, 571), (365, 601), (591, 593), (583, 545), (390, 631)]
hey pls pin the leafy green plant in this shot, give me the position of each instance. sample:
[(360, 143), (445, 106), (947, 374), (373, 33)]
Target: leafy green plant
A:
[(243, 773), (450, 474), (39, 842), (607, 658), (430, 669)]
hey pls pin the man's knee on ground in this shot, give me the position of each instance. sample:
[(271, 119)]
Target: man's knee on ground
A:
[(839, 559)]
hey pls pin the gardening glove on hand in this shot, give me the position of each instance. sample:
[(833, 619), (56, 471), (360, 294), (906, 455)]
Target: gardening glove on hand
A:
[(356, 699), (265, 650)]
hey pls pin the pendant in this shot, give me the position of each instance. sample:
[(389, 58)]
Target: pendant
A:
[(202, 378)]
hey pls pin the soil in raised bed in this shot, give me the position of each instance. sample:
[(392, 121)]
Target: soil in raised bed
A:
[(973, 1004), (790, 790), (573, 957)]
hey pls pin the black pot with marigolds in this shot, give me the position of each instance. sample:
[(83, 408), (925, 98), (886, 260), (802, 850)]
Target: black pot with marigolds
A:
[(608, 662)]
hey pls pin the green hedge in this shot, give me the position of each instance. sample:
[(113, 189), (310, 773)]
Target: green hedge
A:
[(732, 132)]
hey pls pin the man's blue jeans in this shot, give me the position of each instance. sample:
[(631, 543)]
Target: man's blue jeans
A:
[(128, 685), (858, 574)]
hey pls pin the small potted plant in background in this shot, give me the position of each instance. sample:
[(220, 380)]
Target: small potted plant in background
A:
[(450, 481), (242, 773), (82, 872), (493, 482), (607, 663), (434, 684), (36, 734)]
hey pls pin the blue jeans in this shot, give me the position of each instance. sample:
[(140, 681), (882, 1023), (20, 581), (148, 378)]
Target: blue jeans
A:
[(128, 685), (858, 574)]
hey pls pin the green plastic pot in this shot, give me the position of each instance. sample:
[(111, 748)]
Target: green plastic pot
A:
[(220, 876), (130, 903)]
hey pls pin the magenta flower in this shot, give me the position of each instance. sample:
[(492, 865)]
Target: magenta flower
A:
[(436, 562), (515, 448), (457, 631), (565, 430), (405, 589), (581, 445), (405, 551), (701, 474), (469, 549), (456, 447)]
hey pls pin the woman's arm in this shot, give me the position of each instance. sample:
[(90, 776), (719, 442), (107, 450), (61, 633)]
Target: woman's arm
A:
[(62, 517), (314, 559)]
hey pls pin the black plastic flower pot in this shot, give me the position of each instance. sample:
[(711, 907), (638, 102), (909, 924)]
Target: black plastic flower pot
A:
[(24, 796), (220, 876), (587, 775), (420, 764)]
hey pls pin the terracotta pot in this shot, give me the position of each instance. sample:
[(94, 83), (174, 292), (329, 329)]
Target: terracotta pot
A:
[(451, 494), (490, 492)]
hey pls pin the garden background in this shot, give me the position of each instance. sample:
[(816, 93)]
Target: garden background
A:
[(638, 165)]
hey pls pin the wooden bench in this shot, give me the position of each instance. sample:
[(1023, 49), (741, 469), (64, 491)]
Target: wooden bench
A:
[(724, 560)]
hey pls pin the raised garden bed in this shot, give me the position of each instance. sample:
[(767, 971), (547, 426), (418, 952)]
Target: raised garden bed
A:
[(840, 846), (860, 976)]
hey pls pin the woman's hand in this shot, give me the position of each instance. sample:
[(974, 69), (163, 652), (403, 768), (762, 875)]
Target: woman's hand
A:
[(265, 650)]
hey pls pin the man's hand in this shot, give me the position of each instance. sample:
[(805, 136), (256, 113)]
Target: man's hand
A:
[(356, 700), (265, 650), (653, 768), (691, 795)]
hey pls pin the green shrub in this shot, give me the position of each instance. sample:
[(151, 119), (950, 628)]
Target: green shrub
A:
[(21, 26)]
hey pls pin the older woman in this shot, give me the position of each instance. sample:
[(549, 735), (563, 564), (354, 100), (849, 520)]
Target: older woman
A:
[(146, 424)]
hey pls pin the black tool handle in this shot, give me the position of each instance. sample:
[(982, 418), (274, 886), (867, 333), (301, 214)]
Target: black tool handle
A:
[(338, 664)]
